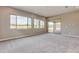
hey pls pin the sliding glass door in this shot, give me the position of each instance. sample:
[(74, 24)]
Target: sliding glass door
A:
[(50, 26), (58, 27), (54, 27)]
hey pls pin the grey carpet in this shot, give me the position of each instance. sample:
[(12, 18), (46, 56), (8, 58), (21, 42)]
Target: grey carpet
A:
[(45, 43)]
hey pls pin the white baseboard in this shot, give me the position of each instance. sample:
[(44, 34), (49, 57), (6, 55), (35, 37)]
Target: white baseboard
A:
[(12, 38), (6, 39), (73, 36)]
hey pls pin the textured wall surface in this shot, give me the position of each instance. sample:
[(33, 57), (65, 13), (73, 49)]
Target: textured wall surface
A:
[(6, 32), (69, 22)]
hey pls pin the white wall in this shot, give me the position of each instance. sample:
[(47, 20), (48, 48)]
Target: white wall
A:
[(70, 24), (6, 32)]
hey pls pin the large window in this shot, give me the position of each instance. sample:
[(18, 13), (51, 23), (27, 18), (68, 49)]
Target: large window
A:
[(41, 24), (29, 22), (21, 22), (58, 26), (36, 23), (50, 26), (54, 27), (12, 21)]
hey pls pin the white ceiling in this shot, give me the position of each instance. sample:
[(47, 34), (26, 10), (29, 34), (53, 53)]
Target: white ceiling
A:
[(47, 10)]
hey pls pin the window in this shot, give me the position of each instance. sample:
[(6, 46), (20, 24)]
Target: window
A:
[(21, 22), (12, 21), (50, 26), (58, 26), (29, 23), (41, 24), (54, 26), (36, 23)]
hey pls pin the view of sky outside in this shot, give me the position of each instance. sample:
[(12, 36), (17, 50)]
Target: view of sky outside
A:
[(21, 22), (12, 19)]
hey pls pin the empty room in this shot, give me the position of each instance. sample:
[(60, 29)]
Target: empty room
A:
[(39, 29)]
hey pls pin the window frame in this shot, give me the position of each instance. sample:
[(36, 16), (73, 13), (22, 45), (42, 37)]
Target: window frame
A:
[(58, 26), (42, 24), (37, 22), (17, 22), (30, 23), (10, 21), (22, 24)]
